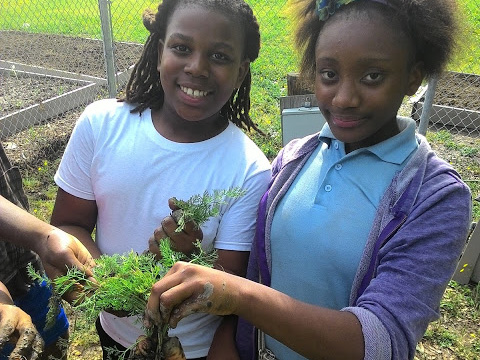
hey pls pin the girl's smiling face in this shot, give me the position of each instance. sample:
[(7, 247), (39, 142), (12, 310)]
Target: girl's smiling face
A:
[(201, 61), (363, 72)]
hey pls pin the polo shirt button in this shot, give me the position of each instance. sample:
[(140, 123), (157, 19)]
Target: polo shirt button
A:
[(336, 145), (338, 166), (328, 188)]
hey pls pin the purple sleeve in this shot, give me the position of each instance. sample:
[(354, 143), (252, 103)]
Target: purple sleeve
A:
[(415, 266)]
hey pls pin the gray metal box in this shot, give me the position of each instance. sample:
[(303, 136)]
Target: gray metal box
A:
[(299, 122)]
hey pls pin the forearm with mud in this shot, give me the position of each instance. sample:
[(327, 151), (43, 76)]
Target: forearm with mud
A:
[(314, 332)]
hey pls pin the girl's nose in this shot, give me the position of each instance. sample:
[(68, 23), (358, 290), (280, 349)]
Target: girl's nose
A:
[(197, 66), (346, 95)]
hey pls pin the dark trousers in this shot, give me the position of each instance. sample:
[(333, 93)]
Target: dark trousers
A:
[(108, 344)]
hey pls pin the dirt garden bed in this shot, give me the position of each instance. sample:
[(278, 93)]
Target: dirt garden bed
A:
[(18, 91), (72, 54), (456, 102), (458, 90)]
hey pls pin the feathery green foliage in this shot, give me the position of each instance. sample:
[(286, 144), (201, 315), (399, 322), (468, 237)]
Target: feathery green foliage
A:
[(199, 208), (123, 282)]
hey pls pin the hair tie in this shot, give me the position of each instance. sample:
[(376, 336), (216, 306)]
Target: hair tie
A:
[(326, 8)]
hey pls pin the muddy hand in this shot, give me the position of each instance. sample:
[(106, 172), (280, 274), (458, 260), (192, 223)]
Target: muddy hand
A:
[(188, 289), (16, 326), (182, 241)]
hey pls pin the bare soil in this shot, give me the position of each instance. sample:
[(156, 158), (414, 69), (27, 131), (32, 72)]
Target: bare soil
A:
[(458, 90), (18, 91), (72, 54), (85, 56)]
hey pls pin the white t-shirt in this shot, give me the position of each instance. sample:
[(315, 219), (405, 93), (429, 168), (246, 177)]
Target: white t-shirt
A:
[(119, 160)]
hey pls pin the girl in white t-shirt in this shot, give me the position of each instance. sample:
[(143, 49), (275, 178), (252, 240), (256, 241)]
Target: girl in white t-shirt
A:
[(176, 133)]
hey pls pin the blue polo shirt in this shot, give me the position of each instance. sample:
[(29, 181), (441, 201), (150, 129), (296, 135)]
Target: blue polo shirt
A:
[(321, 225)]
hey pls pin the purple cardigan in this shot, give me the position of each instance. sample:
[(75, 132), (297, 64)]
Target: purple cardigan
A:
[(417, 237)]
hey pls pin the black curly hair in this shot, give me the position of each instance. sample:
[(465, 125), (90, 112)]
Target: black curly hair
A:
[(431, 27), (144, 88)]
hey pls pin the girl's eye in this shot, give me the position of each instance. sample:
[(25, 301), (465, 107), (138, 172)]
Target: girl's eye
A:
[(374, 77), (328, 75), (220, 57), (180, 48)]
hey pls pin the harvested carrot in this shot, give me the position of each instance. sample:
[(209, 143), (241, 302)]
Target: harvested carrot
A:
[(172, 349), (144, 348)]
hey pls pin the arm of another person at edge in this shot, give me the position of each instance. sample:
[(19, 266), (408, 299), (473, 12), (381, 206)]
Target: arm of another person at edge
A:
[(77, 217), (16, 326), (312, 331), (57, 249)]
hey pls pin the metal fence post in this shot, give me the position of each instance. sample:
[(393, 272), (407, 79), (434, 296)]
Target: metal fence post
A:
[(468, 267), (107, 36), (427, 105)]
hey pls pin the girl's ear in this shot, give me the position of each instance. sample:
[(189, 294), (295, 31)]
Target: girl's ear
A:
[(160, 53), (415, 78), (242, 72)]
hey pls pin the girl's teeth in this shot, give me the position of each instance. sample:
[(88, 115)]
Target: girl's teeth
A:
[(194, 93)]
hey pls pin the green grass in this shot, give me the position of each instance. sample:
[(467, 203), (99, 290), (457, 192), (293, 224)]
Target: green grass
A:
[(456, 334), (77, 19), (41, 190), (467, 58)]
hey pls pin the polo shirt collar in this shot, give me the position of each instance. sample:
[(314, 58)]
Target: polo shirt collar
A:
[(394, 150)]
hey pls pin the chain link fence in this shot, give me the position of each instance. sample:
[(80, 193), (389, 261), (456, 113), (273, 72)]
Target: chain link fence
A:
[(57, 56), (452, 101), (53, 62)]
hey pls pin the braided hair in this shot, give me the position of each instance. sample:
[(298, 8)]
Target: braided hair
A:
[(144, 88), (431, 27)]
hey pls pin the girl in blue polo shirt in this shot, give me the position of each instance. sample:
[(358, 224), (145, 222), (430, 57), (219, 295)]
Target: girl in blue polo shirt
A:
[(362, 225)]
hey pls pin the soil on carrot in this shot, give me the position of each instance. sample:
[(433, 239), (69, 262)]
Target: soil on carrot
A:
[(451, 337)]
